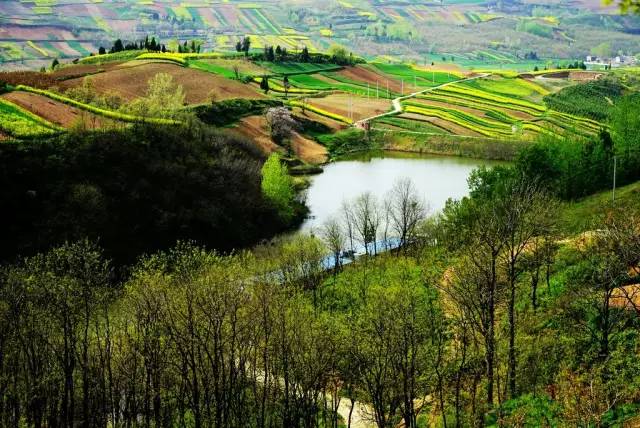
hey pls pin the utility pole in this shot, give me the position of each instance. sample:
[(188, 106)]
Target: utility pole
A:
[(613, 194), (433, 76), (388, 95), (401, 87)]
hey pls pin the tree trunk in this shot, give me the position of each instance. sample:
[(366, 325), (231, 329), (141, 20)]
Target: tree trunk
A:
[(353, 404), (512, 331)]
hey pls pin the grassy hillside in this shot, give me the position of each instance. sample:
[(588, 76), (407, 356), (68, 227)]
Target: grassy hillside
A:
[(583, 214), (457, 105)]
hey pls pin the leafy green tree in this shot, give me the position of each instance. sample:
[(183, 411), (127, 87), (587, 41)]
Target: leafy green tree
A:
[(246, 45), (264, 84), (625, 127), (277, 186), (163, 98)]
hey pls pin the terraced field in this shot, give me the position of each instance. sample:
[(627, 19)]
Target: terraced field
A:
[(493, 107), (18, 122)]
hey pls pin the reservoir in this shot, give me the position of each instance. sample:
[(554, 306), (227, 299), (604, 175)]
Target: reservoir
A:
[(436, 179)]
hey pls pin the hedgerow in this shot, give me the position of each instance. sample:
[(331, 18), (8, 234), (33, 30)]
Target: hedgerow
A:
[(102, 112), (229, 111)]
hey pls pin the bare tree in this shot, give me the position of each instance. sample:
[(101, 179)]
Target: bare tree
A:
[(366, 220), (406, 210), (348, 219), (333, 237), (528, 212)]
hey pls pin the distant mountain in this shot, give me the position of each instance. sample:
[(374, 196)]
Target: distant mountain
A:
[(473, 32)]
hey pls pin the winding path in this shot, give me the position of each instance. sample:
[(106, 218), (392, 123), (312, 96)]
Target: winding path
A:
[(397, 102)]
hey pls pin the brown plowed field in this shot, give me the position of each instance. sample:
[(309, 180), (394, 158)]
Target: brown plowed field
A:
[(131, 83), (255, 127), (362, 107), (367, 74), (75, 71), (53, 111)]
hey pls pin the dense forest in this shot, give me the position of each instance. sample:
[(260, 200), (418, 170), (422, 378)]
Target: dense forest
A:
[(158, 183), (128, 297)]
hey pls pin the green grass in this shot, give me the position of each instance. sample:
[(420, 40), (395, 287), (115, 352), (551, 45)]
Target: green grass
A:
[(213, 68), (518, 88), (408, 73), (411, 125), (581, 215), (356, 87), (75, 45), (20, 123), (308, 81), (297, 67), (119, 56)]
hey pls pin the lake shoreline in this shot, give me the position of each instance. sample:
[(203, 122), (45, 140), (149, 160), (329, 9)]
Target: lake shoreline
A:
[(437, 177)]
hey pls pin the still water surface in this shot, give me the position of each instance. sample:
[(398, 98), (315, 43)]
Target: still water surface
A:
[(436, 178)]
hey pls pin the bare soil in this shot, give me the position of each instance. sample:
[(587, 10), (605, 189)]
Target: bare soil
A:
[(371, 75), (362, 107), (255, 128), (131, 83), (54, 111)]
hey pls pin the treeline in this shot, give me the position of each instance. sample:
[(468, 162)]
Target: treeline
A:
[(153, 46), (158, 183), (119, 46), (335, 55), (572, 168)]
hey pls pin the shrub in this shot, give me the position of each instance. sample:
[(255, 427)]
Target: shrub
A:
[(277, 186), (229, 111), (346, 141)]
